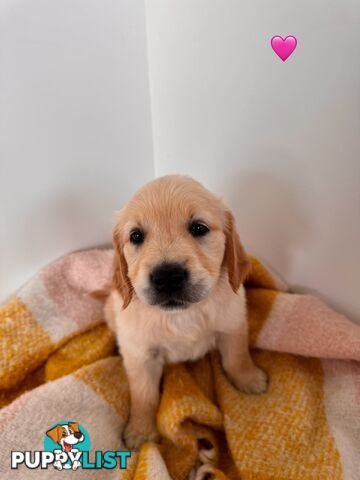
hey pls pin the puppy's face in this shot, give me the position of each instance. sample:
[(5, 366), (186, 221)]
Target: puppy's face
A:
[(172, 241)]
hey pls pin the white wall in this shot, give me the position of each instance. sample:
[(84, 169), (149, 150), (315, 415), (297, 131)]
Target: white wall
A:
[(280, 140), (75, 132)]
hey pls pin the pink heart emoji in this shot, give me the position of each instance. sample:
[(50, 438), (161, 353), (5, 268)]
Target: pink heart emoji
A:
[(283, 47)]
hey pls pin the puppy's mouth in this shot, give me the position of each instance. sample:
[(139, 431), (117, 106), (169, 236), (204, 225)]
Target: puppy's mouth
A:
[(176, 301), (67, 447), (173, 304)]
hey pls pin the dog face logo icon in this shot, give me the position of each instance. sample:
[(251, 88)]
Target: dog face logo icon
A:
[(66, 435)]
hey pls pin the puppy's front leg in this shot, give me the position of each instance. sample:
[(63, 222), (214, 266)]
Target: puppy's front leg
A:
[(238, 364), (144, 376)]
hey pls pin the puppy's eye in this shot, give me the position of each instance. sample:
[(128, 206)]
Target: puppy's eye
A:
[(198, 229), (136, 237), (64, 434)]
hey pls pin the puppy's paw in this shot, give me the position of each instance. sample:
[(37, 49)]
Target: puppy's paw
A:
[(136, 433), (252, 381)]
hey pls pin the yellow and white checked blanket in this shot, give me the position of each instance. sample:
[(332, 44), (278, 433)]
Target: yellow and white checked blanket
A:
[(58, 361)]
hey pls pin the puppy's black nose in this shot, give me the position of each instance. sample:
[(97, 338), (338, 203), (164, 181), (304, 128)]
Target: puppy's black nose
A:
[(77, 435), (168, 277)]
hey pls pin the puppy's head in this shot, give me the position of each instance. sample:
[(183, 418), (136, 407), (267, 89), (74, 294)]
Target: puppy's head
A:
[(171, 243)]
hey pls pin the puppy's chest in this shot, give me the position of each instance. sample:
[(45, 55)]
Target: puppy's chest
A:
[(181, 348), (177, 336), (182, 337)]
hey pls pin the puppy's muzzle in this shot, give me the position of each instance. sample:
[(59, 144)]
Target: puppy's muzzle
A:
[(170, 287), (169, 278)]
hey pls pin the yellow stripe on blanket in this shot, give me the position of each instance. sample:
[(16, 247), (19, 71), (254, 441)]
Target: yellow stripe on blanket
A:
[(107, 378), (81, 350), (284, 434), (24, 345)]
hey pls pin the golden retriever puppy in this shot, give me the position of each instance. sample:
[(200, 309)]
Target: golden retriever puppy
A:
[(177, 292)]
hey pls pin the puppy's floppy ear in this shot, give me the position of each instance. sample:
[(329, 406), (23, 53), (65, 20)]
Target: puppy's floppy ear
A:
[(235, 258), (121, 281), (74, 426), (55, 433)]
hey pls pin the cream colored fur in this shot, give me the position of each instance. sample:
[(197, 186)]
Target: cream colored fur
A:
[(150, 336)]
